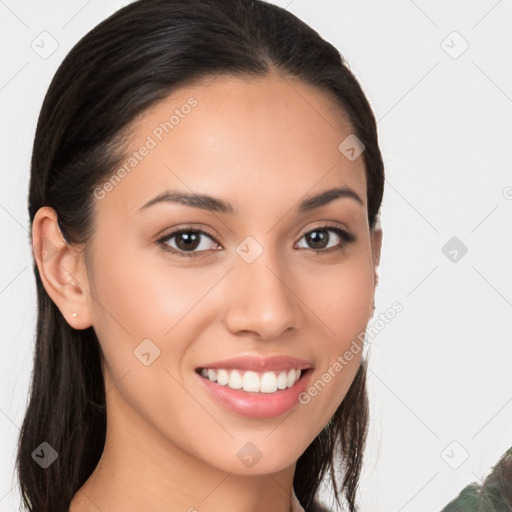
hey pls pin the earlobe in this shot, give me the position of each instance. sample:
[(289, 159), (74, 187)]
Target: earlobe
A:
[(61, 269)]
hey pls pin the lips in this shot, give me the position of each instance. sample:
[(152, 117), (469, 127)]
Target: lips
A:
[(256, 387)]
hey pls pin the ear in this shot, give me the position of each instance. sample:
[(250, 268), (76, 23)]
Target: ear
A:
[(376, 243), (61, 269)]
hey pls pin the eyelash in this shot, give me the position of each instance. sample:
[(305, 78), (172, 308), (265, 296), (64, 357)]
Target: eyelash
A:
[(346, 237)]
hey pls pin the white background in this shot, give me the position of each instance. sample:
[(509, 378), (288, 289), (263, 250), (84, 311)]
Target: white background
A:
[(440, 372)]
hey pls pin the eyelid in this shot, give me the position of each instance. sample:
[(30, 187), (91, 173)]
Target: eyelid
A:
[(185, 227), (325, 224)]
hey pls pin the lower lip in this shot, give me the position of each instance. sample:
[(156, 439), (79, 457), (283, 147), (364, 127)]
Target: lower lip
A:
[(257, 405)]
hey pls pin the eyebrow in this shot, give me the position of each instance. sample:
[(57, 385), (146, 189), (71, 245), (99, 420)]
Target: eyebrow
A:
[(213, 204)]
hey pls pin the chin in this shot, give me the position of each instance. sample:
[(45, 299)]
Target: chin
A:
[(251, 457)]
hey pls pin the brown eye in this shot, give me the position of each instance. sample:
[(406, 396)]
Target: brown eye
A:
[(188, 242), (324, 238)]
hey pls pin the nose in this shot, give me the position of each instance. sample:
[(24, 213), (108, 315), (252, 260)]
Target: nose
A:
[(261, 300)]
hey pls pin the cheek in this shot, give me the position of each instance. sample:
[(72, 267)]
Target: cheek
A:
[(137, 297), (342, 301), (341, 298), (136, 301)]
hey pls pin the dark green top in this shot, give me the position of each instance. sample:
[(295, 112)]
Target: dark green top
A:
[(493, 495)]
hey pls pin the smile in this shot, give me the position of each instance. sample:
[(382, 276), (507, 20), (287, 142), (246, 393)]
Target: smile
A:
[(255, 387), (250, 381)]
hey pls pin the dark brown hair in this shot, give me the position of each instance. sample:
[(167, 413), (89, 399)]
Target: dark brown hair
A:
[(130, 61)]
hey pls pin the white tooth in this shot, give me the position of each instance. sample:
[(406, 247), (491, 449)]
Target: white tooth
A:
[(251, 381), (222, 377), (268, 382), (235, 380), (282, 380)]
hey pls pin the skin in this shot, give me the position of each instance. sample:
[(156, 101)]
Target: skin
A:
[(263, 145)]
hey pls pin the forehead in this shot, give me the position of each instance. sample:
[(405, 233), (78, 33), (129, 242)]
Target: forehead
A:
[(268, 138)]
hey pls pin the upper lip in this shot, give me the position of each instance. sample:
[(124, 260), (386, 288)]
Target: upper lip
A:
[(260, 364)]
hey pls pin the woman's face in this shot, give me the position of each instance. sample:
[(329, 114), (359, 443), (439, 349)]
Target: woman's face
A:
[(252, 275)]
